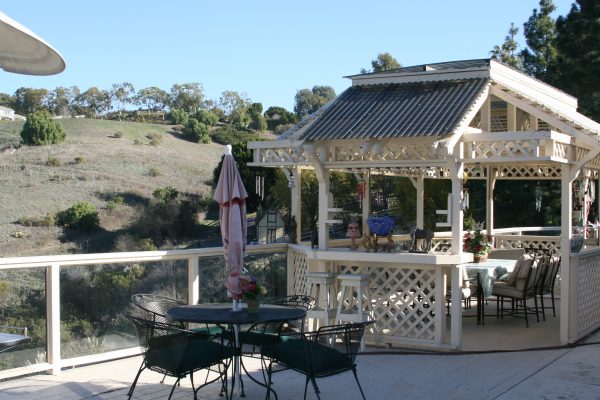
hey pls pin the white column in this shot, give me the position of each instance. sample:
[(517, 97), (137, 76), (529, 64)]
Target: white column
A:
[(511, 117), (193, 281), (323, 178), (296, 202), (486, 116), (456, 174), (533, 123), (366, 203), (53, 316), (489, 196), (566, 222), (456, 308), (420, 202)]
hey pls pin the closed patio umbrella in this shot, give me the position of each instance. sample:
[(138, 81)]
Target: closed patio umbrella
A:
[(231, 196)]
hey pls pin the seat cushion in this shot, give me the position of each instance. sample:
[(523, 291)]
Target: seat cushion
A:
[(503, 289), (179, 360), (313, 359)]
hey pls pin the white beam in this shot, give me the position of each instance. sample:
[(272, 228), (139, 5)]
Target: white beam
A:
[(366, 203), (296, 203), (53, 317), (511, 117), (323, 179), (492, 174), (421, 202), (193, 280), (565, 249)]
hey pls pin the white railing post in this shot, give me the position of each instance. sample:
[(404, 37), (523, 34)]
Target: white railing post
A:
[(53, 317), (193, 280)]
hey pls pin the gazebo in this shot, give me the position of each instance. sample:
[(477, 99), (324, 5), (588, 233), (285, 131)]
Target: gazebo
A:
[(474, 119)]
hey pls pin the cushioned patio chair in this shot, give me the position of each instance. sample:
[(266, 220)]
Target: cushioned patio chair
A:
[(328, 351), (521, 285), (173, 351)]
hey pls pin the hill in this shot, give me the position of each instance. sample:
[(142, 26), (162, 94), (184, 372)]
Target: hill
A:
[(94, 164)]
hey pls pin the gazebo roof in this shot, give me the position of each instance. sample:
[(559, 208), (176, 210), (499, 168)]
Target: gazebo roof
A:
[(390, 110)]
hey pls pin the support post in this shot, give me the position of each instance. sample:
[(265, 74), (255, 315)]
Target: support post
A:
[(193, 281), (53, 317), (486, 116), (420, 201), (323, 179), (456, 175), (511, 117), (566, 222), (366, 203), (296, 203)]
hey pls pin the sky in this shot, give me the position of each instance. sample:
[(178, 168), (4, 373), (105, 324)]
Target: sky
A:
[(267, 49)]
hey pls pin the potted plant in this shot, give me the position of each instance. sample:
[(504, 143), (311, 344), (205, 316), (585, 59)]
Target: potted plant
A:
[(477, 242), (251, 292)]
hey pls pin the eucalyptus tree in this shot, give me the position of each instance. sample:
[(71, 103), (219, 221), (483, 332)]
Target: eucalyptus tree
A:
[(307, 101), (58, 101), (152, 98), (28, 100), (94, 102), (188, 96), (121, 94), (383, 62)]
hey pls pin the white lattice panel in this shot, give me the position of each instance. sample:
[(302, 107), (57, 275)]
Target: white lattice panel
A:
[(514, 149), (391, 151), (285, 155), (528, 171), (403, 300), (588, 295), (441, 244), (299, 266), (551, 244)]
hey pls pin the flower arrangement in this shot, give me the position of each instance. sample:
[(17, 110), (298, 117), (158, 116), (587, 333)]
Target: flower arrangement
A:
[(477, 242), (380, 226), (252, 289)]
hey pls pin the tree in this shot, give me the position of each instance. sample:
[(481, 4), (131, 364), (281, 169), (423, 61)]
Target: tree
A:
[(507, 52), (58, 101), (152, 98), (40, 129), (29, 100), (257, 121), (540, 35), (232, 103), (206, 117), (383, 62), (94, 102), (578, 64), (187, 97), (178, 116), (308, 101), (7, 100), (276, 116), (121, 94), (196, 131)]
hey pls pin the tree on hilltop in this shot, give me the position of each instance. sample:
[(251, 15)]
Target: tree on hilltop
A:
[(308, 101), (383, 62)]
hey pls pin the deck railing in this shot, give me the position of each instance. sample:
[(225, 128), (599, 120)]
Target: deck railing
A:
[(584, 296), (74, 305)]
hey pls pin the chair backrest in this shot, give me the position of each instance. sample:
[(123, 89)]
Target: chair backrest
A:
[(551, 273), (507, 254), (524, 272), (153, 307), (535, 275), (343, 338)]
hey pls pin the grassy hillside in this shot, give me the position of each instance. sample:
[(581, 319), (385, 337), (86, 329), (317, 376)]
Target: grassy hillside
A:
[(95, 165)]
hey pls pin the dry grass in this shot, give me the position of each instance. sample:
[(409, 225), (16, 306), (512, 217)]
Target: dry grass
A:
[(112, 166)]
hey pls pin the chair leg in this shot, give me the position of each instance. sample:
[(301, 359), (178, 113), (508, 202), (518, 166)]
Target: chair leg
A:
[(553, 309), (132, 388), (173, 389), (193, 388), (537, 312), (314, 383), (358, 383), (542, 305), (525, 310), (306, 386)]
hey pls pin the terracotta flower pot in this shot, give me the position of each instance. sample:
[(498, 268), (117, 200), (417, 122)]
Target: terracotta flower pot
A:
[(252, 305), (479, 257)]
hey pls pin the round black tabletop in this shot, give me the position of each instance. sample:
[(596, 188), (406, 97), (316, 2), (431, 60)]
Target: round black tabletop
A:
[(223, 313), (8, 340)]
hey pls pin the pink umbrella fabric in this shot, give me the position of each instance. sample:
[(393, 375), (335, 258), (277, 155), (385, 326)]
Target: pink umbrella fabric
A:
[(231, 196)]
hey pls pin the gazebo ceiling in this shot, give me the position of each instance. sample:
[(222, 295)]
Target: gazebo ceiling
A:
[(395, 110)]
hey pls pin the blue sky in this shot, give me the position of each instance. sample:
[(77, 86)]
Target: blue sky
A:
[(268, 49)]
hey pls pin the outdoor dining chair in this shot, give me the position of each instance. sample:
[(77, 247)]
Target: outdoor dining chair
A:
[(522, 284), (547, 285), (329, 351), (172, 351)]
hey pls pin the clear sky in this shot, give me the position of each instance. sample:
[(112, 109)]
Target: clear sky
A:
[(268, 49)]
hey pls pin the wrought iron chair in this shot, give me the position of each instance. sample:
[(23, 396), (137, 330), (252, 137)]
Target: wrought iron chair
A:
[(173, 351), (525, 286), (547, 285), (328, 351)]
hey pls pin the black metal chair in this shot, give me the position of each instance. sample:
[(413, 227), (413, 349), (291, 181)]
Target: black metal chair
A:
[(328, 351), (547, 286), (173, 351)]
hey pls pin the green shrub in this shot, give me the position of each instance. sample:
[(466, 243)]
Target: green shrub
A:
[(147, 245), (154, 136), (45, 221), (138, 142), (178, 116), (53, 162), (196, 131), (79, 160), (17, 234), (115, 202), (154, 172), (41, 129), (82, 215), (206, 117), (229, 135), (118, 134), (165, 195)]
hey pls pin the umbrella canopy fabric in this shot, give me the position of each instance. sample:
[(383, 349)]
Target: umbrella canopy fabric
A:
[(231, 196), (23, 52)]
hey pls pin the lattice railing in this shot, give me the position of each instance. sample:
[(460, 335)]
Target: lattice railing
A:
[(587, 276), (403, 300), (297, 268), (549, 243)]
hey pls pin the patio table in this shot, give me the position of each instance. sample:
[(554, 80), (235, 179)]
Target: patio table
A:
[(223, 314), (485, 273)]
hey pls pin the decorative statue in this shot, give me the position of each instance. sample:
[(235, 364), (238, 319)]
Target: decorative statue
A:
[(353, 233), (292, 230), (424, 234)]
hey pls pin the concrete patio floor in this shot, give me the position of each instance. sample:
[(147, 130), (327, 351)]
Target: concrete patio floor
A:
[(481, 371)]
